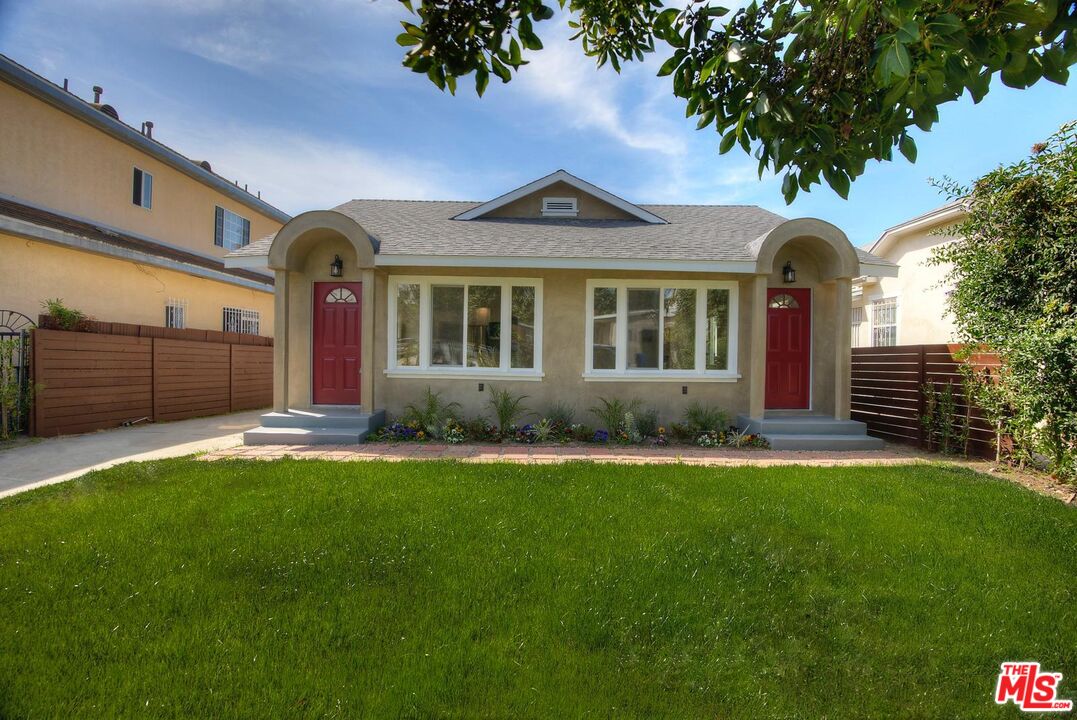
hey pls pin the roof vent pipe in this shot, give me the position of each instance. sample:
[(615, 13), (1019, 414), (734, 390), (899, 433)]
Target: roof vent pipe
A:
[(97, 90), (65, 85), (148, 129)]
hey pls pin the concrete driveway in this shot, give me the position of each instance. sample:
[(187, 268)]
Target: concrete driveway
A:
[(54, 460)]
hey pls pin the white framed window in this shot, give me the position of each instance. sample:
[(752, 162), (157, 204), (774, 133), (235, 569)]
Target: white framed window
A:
[(142, 189), (471, 327), (857, 322), (176, 313), (231, 231), (240, 320), (884, 322), (661, 330)]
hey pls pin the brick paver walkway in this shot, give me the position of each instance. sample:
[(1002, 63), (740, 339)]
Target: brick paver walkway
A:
[(539, 454)]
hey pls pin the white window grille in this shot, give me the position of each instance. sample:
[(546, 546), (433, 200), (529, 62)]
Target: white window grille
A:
[(884, 322), (240, 320), (857, 322), (176, 313)]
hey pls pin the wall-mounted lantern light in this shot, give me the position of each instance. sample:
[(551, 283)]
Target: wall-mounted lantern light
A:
[(789, 275), (336, 268)]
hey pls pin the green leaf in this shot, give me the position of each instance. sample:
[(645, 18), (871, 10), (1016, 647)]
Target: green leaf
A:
[(500, 70), (543, 13), (482, 79), (515, 58), (837, 180), (909, 32), (671, 64), (896, 62), (728, 140), (789, 188), (908, 148), (406, 40)]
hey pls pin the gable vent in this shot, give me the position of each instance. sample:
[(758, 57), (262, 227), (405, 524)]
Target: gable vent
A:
[(559, 207)]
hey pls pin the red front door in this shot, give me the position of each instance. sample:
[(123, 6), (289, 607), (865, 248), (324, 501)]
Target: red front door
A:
[(788, 348), (338, 324)]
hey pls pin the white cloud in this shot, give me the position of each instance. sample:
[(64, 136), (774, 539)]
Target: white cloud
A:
[(299, 172), (586, 97)]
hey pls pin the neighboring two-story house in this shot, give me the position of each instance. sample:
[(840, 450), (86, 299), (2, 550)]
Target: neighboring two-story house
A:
[(119, 226), (909, 309)]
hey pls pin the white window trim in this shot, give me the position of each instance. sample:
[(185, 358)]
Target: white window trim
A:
[(622, 373), (425, 369)]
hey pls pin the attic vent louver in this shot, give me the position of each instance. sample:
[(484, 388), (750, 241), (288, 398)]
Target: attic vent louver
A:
[(559, 207)]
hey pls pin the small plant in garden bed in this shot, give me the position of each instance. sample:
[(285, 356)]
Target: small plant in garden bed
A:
[(507, 408), (397, 432), (431, 415), (731, 438)]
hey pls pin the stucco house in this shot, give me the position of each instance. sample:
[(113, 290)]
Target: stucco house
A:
[(564, 292), (106, 217), (908, 308)]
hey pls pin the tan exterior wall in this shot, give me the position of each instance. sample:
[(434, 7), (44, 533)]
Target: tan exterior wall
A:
[(115, 290), (563, 332), (589, 207), (918, 288), (50, 158)]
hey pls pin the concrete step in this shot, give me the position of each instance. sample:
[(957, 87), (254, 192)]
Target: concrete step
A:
[(304, 436), (802, 441), (350, 419), (802, 425)]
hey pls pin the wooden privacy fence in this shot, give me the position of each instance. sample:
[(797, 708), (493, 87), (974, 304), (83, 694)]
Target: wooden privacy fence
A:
[(888, 393), (90, 380)]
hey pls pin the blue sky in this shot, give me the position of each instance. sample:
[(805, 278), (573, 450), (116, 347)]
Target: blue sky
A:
[(306, 100)]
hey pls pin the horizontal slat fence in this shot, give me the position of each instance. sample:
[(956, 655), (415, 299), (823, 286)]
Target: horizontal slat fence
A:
[(91, 380), (888, 395)]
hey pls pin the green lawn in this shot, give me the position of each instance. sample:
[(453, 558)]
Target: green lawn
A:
[(315, 589)]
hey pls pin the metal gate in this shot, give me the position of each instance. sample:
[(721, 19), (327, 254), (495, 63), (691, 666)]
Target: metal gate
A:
[(15, 390)]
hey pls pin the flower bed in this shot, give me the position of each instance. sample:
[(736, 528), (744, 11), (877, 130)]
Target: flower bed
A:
[(621, 422)]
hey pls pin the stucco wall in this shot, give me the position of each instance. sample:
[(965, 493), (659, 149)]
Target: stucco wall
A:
[(564, 347), (115, 290), (49, 158), (921, 297)]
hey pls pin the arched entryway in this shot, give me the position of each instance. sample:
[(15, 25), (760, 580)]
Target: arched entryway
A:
[(800, 336), (323, 265)]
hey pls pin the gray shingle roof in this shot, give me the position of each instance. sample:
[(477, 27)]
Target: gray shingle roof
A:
[(694, 232)]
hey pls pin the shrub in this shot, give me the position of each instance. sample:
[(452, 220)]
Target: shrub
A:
[(431, 414), (65, 318), (629, 432), (680, 432), (945, 429), (507, 408), (647, 422), (702, 418), (479, 429), (1011, 265), (561, 414), (582, 433), (611, 413), (543, 430)]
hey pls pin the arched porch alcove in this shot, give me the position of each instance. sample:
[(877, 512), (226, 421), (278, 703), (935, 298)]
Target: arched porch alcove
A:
[(825, 263), (301, 257)]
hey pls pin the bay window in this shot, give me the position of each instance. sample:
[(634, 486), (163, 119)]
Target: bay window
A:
[(641, 329), (469, 327)]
